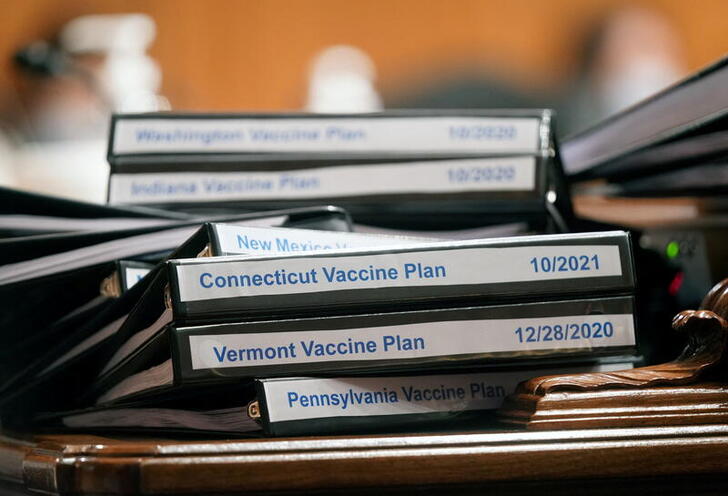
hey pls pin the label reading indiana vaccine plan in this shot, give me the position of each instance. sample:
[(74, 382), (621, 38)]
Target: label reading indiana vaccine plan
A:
[(246, 240), (408, 341), (435, 177), (231, 278), (386, 134)]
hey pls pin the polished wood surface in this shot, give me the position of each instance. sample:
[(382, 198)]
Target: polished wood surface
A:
[(668, 434), (84, 464)]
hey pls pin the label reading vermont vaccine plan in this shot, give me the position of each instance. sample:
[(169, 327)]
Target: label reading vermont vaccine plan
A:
[(408, 341), (442, 176), (231, 278), (351, 134)]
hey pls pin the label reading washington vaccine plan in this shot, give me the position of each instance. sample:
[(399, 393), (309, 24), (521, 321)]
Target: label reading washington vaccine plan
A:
[(442, 176), (241, 240), (408, 134), (231, 278), (411, 341)]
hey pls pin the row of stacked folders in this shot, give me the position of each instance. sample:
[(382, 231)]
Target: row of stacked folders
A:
[(273, 274)]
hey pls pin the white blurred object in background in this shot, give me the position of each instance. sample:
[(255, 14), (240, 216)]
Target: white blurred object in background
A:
[(129, 78), (641, 54), (71, 169), (108, 70), (342, 80)]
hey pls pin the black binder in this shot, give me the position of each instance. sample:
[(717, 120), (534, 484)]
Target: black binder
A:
[(165, 364), (29, 357), (233, 302), (524, 183)]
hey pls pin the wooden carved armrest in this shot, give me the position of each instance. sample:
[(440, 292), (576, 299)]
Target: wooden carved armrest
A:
[(575, 400)]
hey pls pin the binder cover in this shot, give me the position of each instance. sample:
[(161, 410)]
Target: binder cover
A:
[(396, 192), (151, 315), (423, 402), (530, 333), (693, 106), (79, 347)]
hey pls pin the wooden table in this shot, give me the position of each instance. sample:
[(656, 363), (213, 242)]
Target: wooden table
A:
[(600, 461)]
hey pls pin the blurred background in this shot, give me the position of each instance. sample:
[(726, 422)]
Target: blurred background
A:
[(65, 66)]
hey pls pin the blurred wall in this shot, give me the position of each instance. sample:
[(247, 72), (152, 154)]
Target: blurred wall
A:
[(254, 54)]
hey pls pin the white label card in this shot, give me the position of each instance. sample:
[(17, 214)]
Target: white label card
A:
[(301, 399), (442, 176), (134, 275), (231, 278), (247, 240), (410, 341), (350, 134)]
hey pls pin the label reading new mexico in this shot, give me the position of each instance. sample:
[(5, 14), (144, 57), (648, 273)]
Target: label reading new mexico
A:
[(409, 341), (228, 279), (235, 240)]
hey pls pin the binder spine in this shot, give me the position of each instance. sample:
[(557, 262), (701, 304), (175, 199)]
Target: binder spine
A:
[(135, 135), (308, 405), (501, 270), (262, 183), (406, 340)]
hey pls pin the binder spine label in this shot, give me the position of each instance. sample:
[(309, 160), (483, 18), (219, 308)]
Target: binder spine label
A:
[(412, 341), (411, 134), (465, 266), (302, 399), (239, 240), (133, 275), (447, 176)]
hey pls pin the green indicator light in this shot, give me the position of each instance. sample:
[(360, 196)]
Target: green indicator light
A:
[(673, 249)]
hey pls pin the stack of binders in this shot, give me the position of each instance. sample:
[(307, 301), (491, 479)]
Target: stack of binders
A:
[(398, 169), (243, 315), (86, 292), (497, 308), (668, 152)]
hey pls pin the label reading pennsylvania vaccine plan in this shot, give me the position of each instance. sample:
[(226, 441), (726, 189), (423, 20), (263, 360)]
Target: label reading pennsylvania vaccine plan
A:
[(411, 341), (309, 398), (407, 134), (441, 176), (241, 240), (231, 278)]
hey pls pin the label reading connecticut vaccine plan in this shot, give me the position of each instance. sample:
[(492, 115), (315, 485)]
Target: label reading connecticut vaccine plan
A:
[(231, 278), (435, 177), (310, 398), (411, 134), (241, 240), (412, 341)]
